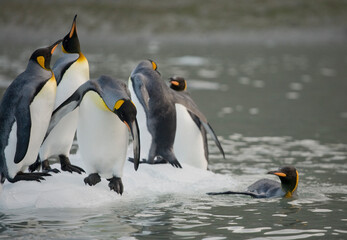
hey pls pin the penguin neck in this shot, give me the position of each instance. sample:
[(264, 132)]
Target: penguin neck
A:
[(34, 66)]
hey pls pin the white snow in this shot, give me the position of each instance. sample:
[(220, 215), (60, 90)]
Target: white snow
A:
[(66, 190)]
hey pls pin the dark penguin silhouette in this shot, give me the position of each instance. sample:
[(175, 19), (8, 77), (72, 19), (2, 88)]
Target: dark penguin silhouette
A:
[(267, 188)]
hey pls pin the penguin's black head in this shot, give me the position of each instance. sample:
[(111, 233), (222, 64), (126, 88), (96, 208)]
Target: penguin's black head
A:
[(71, 44), (178, 83), (126, 111), (43, 56), (289, 177)]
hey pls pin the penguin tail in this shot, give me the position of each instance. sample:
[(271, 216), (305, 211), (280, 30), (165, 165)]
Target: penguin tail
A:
[(254, 195)]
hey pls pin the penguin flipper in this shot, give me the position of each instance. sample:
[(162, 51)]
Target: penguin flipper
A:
[(70, 104), (136, 144), (23, 120), (140, 90), (254, 195), (62, 64), (209, 129)]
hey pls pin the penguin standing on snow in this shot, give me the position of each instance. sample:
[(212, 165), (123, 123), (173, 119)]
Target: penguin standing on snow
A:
[(267, 188), (106, 113), (71, 71), (190, 145), (25, 111), (160, 122), (156, 114)]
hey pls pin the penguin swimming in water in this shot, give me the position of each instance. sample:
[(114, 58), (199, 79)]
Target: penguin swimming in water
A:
[(190, 145), (106, 113), (25, 111), (155, 103), (267, 188), (71, 71)]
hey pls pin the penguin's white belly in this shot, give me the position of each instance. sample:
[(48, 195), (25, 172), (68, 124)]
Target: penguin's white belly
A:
[(102, 138), (145, 136), (189, 143), (40, 113), (73, 78), (61, 137)]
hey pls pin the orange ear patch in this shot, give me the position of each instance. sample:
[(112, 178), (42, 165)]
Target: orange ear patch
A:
[(154, 65)]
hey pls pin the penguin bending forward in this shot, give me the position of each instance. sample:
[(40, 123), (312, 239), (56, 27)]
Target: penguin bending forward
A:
[(71, 71), (190, 145), (105, 115), (267, 188), (25, 111), (157, 114)]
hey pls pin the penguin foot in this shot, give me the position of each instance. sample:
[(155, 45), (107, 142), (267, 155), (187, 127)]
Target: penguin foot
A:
[(174, 162), (29, 177), (35, 166), (116, 185), (47, 168), (67, 166), (92, 179)]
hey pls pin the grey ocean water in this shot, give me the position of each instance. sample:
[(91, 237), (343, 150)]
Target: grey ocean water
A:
[(270, 76)]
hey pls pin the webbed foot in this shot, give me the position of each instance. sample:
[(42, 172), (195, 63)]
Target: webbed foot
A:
[(29, 177), (92, 179), (47, 168), (116, 185), (67, 166)]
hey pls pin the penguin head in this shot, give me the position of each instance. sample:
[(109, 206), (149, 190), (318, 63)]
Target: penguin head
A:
[(42, 56), (147, 65), (178, 83), (71, 44), (126, 111), (289, 177)]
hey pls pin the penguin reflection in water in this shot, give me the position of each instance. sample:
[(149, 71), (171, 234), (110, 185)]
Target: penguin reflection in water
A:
[(267, 188), (25, 111), (71, 71), (105, 115), (172, 128)]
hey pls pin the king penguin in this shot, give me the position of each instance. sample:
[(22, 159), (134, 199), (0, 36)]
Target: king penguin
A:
[(267, 188), (156, 114), (159, 121), (105, 116), (190, 145), (25, 112), (71, 71)]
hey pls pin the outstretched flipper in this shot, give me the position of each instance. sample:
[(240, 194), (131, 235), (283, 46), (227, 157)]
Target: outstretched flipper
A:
[(70, 104), (254, 195)]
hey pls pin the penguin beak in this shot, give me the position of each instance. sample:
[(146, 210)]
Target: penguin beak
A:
[(277, 173), (54, 45), (73, 28), (174, 82)]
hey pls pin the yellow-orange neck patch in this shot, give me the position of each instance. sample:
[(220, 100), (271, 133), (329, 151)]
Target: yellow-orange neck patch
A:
[(41, 61)]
